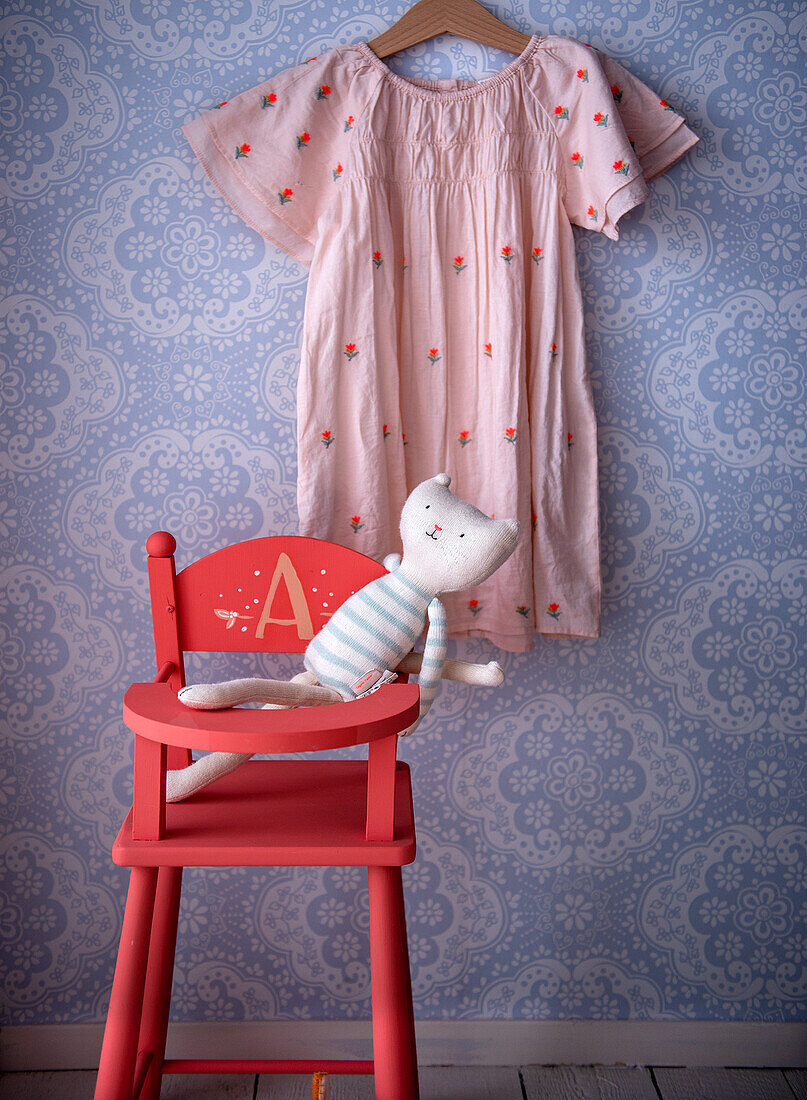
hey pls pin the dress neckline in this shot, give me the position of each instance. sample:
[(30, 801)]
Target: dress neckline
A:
[(429, 89)]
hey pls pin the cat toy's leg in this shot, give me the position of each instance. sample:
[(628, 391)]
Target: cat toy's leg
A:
[(489, 675), (184, 782), (292, 693)]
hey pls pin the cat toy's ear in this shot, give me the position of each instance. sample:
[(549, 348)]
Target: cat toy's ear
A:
[(442, 479)]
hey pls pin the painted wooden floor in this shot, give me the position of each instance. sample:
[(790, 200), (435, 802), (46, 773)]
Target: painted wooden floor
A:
[(457, 1083)]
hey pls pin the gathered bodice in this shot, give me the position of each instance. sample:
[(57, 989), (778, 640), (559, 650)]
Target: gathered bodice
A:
[(451, 130)]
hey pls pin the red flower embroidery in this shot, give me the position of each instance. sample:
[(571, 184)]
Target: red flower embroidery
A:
[(355, 523), (582, 74), (434, 355), (323, 91), (223, 103), (537, 254), (327, 439), (554, 610), (534, 520), (592, 213), (577, 159), (569, 440), (561, 112), (663, 103), (269, 100), (553, 351), (285, 195), (242, 150), (511, 435), (506, 253), (349, 123), (458, 264), (464, 439), (473, 606), (385, 431), (616, 92), (489, 350), (522, 609), (350, 351), (303, 139), (601, 119), (337, 172), (620, 166), (377, 259)]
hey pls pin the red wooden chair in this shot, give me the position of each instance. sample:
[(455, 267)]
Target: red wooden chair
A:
[(263, 595)]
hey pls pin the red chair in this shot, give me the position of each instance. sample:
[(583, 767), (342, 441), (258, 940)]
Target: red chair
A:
[(263, 595)]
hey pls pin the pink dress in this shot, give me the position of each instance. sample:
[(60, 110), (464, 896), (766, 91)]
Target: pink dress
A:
[(443, 326)]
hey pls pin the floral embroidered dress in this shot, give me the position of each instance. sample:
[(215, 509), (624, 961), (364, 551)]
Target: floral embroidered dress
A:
[(443, 326)]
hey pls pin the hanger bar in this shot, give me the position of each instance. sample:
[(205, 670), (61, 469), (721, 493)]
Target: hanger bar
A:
[(464, 18)]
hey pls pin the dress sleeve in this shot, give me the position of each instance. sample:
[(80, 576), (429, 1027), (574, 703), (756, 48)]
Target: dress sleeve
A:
[(615, 134), (656, 131), (277, 151)]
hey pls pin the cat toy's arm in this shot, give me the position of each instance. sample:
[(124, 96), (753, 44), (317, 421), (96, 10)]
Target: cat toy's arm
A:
[(431, 660), (466, 672)]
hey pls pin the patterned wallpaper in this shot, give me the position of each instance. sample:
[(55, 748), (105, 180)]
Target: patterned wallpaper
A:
[(619, 831)]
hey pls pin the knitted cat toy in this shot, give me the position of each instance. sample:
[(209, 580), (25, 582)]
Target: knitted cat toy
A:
[(448, 546)]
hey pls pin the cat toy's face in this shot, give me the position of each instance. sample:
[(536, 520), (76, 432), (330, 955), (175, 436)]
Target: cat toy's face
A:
[(449, 543)]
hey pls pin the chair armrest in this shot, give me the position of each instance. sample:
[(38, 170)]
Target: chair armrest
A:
[(153, 711)]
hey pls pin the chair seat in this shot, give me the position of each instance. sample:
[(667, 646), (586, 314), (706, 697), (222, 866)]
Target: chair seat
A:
[(277, 813), (154, 711)]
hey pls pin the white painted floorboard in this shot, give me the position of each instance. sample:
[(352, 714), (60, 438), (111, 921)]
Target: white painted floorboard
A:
[(204, 1086), (588, 1083), (339, 1087), (466, 1082), (80, 1085), (278, 1086), (710, 1083), (65, 1085)]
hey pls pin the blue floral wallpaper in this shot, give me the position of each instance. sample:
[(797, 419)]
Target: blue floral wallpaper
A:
[(619, 831)]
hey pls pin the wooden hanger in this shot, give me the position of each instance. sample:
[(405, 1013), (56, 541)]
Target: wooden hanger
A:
[(465, 18)]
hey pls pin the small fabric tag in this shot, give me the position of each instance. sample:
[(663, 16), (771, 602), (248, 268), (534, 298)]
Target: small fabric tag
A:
[(372, 680)]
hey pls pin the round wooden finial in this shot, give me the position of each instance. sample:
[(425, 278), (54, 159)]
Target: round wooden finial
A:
[(161, 544)]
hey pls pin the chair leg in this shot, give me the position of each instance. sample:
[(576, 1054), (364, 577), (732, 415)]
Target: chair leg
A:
[(119, 1050), (394, 1053), (159, 978)]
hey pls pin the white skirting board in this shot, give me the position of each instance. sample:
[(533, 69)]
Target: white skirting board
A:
[(440, 1042)]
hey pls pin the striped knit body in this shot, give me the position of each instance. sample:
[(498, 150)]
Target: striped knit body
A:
[(375, 629)]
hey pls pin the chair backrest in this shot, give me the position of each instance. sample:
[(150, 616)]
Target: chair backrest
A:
[(267, 595)]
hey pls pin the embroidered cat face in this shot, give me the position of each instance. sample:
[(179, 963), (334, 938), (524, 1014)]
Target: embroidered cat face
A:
[(449, 544)]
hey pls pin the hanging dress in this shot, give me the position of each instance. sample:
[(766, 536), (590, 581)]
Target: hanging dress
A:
[(443, 326)]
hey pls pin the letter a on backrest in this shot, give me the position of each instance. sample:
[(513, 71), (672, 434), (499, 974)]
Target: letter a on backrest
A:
[(299, 604)]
